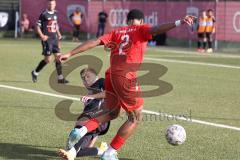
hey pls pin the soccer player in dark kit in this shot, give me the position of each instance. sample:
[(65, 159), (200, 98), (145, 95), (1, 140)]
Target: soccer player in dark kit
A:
[(48, 30), (92, 106)]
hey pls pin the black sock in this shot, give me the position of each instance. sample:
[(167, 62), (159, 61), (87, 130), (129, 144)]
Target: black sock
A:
[(199, 44), (209, 44), (59, 68), (87, 152), (83, 142), (40, 66), (204, 45)]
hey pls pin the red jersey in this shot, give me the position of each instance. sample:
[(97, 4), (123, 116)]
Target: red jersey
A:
[(128, 45)]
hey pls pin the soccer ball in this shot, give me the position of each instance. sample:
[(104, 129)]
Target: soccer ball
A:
[(175, 135)]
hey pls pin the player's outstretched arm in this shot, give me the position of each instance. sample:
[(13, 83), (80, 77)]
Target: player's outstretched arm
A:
[(81, 48), (168, 26)]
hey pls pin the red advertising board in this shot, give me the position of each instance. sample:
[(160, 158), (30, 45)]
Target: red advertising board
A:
[(227, 15)]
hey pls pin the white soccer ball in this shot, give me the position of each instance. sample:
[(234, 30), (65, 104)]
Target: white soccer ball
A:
[(175, 134)]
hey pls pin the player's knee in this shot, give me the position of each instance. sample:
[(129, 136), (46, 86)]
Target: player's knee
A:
[(48, 59), (114, 114)]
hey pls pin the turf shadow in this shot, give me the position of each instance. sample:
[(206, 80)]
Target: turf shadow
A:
[(26, 152), (119, 158), (30, 152), (19, 81)]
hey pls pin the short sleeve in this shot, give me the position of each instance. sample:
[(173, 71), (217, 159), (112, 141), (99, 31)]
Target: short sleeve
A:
[(145, 32), (40, 20), (106, 38)]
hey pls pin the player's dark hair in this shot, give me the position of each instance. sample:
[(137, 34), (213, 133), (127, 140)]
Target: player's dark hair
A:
[(210, 10), (135, 14), (51, 0), (84, 70)]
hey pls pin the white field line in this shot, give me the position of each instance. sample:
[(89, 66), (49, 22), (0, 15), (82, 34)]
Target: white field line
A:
[(192, 63), (205, 56), (156, 49), (144, 111), (189, 52)]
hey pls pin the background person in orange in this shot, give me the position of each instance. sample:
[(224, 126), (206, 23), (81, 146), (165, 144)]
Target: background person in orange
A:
[(210, 29), (76, 18), (202, 23)]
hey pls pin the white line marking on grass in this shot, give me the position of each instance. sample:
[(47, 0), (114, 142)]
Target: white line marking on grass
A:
[(40, 92), (193, 120), (189, 52), (190, 56), (193, 63), (144, 111)]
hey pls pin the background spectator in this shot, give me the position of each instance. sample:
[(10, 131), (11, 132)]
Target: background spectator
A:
[(76, 18), (210, 29), (102, 19), (25, 24), (202, 22)]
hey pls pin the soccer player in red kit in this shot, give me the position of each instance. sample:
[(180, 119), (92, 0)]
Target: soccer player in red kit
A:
[(127, 46)]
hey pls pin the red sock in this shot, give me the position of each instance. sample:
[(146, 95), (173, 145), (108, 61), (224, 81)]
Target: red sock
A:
[(117, 142), (92, 124)]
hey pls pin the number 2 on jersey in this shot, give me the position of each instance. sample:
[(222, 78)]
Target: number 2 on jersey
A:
[(124, 43)]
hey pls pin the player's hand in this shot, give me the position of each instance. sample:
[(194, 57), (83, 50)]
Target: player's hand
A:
[(188, 20), (63, 57), (60, 37), (86, 98), (44, 38)]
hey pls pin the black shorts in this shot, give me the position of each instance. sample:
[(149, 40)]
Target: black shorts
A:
[(50, 46), (209, 36), (201, 35)]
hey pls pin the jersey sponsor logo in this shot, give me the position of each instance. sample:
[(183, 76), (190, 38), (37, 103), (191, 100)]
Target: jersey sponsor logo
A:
[(52, 26)]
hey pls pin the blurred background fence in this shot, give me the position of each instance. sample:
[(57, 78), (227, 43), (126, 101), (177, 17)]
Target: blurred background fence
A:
[(227, 15)]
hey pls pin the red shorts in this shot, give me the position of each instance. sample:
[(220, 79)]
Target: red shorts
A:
[(122, 92)]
